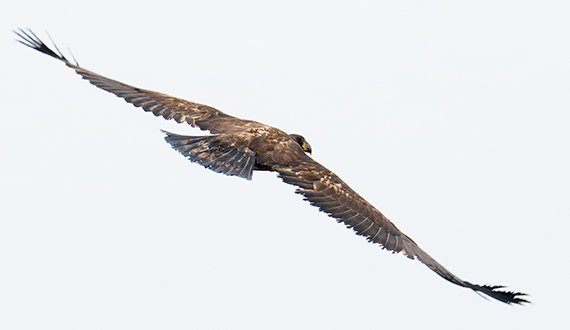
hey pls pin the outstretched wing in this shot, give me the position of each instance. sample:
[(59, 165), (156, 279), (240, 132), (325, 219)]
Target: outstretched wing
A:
[(197, 115), (325, 190)]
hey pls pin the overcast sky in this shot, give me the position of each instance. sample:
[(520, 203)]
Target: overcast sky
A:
[(451, 118)]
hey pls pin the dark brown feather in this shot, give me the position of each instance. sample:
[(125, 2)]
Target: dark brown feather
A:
[(325, 190), (242, 146), (195, 114)]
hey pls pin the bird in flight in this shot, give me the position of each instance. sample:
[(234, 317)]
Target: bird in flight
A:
[(237, 147)]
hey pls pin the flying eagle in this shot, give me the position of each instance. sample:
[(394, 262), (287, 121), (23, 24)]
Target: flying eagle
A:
[(238, 147)]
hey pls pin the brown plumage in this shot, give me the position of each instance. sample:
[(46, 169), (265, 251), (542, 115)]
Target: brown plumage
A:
[(238, 147)]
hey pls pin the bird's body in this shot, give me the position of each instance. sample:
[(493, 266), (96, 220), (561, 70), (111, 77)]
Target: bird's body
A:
[(238, 147)]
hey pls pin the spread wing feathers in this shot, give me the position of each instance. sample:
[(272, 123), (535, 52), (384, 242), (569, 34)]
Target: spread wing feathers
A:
[(197, 115), (321, 187), (325, 190), (214, 154)]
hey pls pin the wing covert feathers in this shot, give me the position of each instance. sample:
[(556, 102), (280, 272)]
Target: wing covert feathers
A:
[(195, 114), (325, 190)]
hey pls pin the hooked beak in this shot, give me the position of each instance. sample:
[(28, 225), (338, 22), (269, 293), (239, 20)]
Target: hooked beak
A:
[(307, 147)]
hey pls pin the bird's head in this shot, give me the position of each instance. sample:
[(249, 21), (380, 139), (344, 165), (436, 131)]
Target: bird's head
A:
[(302, 142)]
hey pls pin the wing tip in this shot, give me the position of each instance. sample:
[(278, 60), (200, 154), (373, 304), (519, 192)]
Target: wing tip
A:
[(30, 39), (507, 297)]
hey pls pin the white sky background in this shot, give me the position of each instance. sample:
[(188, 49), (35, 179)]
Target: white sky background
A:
[(452, 119)]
